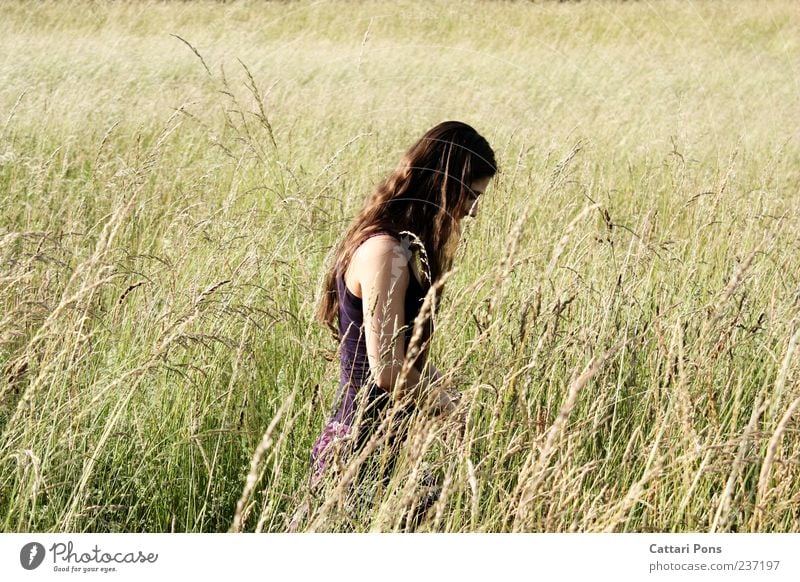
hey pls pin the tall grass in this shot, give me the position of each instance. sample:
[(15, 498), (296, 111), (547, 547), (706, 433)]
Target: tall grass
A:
[(623, 320)]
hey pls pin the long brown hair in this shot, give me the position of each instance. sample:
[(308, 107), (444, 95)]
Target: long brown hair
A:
[(424, 195)]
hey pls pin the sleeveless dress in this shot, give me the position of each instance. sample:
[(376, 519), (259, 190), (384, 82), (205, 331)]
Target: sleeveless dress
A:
[(356, 386)]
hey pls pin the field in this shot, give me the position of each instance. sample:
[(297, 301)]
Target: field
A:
[(623, 319)]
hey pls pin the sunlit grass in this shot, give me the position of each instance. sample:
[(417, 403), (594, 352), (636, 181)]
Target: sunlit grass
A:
[(624, 315)]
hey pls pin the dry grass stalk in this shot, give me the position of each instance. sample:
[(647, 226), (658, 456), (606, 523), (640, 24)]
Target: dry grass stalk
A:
[(762, 493), (242, 510), (531, 477), (721, 516)]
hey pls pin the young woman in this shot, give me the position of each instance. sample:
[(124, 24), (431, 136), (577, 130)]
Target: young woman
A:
[(396, 248)]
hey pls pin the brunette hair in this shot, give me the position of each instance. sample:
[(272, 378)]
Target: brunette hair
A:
[(424, 195)]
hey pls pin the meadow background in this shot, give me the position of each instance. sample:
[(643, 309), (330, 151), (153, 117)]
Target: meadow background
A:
[(624, 315)]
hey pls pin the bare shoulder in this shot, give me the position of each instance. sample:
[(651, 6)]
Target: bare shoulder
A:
[(381, 254), (378, 247)]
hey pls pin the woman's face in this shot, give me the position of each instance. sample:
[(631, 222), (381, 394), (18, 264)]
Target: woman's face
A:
[(477, 188)]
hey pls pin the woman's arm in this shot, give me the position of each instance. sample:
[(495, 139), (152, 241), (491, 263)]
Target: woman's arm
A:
[(433, 372), (384, 281)]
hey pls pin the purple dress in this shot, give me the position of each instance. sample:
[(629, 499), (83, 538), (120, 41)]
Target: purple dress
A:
[(354, 378)]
